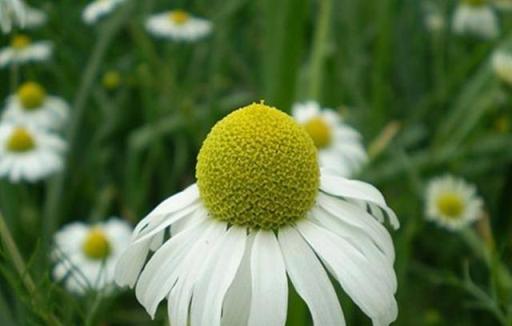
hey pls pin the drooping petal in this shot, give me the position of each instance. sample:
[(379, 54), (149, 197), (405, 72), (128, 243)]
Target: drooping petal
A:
[(310, 279), (269, 284)]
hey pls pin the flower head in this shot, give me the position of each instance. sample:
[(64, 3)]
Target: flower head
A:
[(261, 213), (477, 18), (502, 65), (178, 25), (22, 50), (28, 153), (85, 255), (452, 202), (32, 105), (339, 146), (97, 9)]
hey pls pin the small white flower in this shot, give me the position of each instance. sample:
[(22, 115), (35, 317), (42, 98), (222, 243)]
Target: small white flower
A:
[(31, 105), (340, 150), (98, 9), (34, 17), (178, 25), (451, 202), (261, 214), (23, 50), (502, 65), (86, 255), (476, 19), (12, 12), (28, 153)]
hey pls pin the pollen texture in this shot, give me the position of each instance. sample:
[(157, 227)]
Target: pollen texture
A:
[(258, 168)]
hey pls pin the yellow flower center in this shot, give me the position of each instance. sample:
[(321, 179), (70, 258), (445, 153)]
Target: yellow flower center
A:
[(20, 42), (319, 131), (450, 205), (258, 168), (31, 95), (96, 245), (111, 80), (20, 141), (179, 17)]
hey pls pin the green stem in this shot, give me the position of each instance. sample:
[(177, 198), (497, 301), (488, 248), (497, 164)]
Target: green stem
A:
[(56, 189), (319, 48)]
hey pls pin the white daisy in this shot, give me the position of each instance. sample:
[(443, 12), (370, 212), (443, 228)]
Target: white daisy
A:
[(340, 149), (22, 50), (27, 153), (31, 105), (452, 202), (502, 65), (178, 25), (86, 255), (12, 12), (98, 9), (475, 17), (262, 212), (34, 17)]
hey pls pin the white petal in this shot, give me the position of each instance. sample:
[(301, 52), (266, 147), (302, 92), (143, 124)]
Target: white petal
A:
[(221, 268), (269, 284), (310, 279)]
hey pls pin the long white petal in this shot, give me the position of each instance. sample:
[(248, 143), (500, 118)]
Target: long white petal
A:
[(269, 284), (351, 269), (222, 266), (310, 279)]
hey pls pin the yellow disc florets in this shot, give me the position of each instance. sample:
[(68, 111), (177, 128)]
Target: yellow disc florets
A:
[(111, 80), (31, 95), (319, 131), (96, 245), (450, 205), (179, 17), (258, 168), (20, 42), (20, 141)]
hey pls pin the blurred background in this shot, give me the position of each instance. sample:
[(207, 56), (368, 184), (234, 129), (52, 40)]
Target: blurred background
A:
[(427, 100)]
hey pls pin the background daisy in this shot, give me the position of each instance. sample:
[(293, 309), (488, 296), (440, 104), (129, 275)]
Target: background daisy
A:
[(12, 12), (340, 148), (23, 50), (97, 9), (85, 255), (178, 25), (452, 202), (475, 18)]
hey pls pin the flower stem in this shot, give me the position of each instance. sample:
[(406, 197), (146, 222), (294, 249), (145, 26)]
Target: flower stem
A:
[(319, 48)]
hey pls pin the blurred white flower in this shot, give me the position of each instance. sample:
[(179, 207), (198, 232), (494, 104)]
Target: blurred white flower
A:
[(178, 25), (502, 4), (475, 17), (23, 50), (34, 17), (86, 255), (452, 203), (340, 149), (12, 12), (262, 213), (31, 105), (502, 65), (98, 9), (28, 153)]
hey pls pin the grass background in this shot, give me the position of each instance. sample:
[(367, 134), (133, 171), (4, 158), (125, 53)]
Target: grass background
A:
[(374, 60)]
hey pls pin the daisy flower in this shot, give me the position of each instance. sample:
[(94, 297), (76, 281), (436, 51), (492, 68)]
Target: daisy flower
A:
[(86, 255), (22, 50), (502, 65), (452, 203), (12, 12), (262, 213), (477, 18), (98, 9), (339, 146), (31, 105), (178, 25), (34, 17), (27, 153)]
